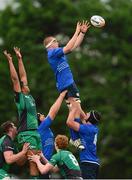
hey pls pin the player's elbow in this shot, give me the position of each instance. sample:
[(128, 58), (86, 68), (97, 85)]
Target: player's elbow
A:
[(15, 80), (67, 49), (43, 171)]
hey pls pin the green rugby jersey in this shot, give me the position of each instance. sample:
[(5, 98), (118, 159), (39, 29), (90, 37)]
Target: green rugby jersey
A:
[(27, 114), (6, 144), (67, 164)]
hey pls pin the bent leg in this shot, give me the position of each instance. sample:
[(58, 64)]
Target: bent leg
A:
[(33, 169)]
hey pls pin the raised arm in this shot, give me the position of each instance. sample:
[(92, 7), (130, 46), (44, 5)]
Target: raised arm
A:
[(73, 111), (42, 168), (84, 27), (13, 73), (22, 72), (56, 106), (69, 46)]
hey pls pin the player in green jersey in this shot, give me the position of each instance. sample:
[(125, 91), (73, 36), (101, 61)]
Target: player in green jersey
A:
[(27, 115), (65, 160), (8, 151)]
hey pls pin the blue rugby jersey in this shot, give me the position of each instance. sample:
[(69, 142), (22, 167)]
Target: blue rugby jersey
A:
[(59, 64), (88, 134), (47, 137)]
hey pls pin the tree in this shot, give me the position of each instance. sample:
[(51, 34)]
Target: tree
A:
[(101, 67)]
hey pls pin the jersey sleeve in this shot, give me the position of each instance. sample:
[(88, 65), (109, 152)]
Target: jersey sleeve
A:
[(45, 124), (57, 52), (19, 100), (86, 128), (54, 159), (78, 120), (7, 145)]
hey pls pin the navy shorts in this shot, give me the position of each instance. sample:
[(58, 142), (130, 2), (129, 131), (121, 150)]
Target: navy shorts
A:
[(72, 91), (89, 170)]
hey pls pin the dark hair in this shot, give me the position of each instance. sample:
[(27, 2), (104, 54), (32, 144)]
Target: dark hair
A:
[(38, 118), (94, 117), (6, 126)]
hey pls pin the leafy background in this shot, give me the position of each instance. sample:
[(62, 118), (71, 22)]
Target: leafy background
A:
[(101, 66)]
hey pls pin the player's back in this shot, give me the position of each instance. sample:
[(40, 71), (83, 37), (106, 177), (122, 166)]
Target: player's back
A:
[(60, 67), (67, 164), (27, 113), (88, 135)]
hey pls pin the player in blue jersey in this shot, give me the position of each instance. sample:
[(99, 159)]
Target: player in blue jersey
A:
[(47, 137), (88, 132), (59, 62)]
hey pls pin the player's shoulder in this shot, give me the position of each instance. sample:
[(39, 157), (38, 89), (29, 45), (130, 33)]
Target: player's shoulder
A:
[(86, 128), (48, 117), (2, 139), (7, 140), (62, 151), (54, 50)]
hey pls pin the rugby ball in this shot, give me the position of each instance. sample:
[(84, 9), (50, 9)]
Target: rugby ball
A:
[(97, 21)]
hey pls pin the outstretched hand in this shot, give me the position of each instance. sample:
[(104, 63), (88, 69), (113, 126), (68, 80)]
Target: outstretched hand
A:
[(85, 26), (18, 53), (25, 148), (8, 55), (78, 27)]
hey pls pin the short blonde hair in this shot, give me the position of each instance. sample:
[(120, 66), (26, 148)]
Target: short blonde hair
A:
[(47, 40), (61, 141)]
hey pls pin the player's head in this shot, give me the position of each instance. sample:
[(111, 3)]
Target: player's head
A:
[(50, 42), (25, 89), (61, 142), (93, 117), (40, 118), (9, 127)]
